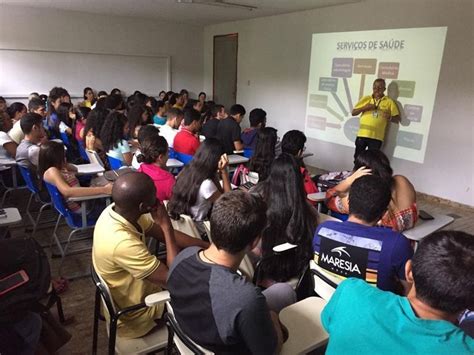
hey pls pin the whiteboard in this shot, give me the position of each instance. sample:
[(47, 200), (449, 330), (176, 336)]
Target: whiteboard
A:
[(26, 71)]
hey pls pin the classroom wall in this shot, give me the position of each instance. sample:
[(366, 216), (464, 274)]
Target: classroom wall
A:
[(273, 67), (55, 30)]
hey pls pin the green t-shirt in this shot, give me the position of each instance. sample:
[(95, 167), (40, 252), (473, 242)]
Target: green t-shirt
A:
[(362, 319)]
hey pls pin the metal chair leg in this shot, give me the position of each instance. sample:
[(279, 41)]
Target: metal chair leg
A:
[(112, 335), (95, 332), (35, 226), (55, 238)]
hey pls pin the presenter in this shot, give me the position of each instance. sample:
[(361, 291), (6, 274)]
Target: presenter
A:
[(376, 111)]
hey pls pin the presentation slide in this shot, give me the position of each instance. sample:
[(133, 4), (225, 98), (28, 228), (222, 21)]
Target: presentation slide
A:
[(343, 68)]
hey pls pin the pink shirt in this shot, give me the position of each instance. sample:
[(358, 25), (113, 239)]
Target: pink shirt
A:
[(79, 125), (164, 180)]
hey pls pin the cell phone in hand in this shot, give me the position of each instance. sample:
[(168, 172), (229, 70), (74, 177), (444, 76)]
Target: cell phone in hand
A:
[(13, 281)]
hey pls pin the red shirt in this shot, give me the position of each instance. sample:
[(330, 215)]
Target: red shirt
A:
[(186, 142)]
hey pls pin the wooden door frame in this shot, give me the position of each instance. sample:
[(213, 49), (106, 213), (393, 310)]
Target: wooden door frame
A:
[(214, 63)]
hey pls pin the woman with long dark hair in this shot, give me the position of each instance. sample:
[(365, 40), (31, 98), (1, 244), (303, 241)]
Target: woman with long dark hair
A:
[(198, 186), (138, 116), (264, 152), (66, 116), (290, 219), (89, 97), (402, 212), (113, 134), (54, 169)]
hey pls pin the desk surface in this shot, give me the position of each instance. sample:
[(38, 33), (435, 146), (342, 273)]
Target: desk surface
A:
[(12, 217), (174, 163), (425, 228), (317, 196), (235, 159), (86, 169), (7, 161), (303, 320)]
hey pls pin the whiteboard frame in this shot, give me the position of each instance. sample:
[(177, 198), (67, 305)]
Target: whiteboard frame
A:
[(166, 57)]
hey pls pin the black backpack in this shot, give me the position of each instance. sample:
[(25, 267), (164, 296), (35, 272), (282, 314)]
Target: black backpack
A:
[(23, 254)]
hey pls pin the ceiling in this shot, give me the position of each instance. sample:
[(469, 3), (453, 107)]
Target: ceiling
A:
[(184, 12)]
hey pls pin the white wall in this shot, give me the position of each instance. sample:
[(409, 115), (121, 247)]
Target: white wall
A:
[(273, 67), (55, 30)]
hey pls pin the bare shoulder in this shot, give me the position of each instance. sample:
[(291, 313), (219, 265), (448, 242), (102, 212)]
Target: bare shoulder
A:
[(404, 189)]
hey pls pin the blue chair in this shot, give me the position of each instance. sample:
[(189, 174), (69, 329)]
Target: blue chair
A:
[(115, 163), (65, 139), (343, 217), (248, 153), (31, 185), (77, 222), (171, 153), (82, 152), (184, 158)]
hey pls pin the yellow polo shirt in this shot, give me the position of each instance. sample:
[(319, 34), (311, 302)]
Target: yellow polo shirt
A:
[(374, 125), (121, 257)]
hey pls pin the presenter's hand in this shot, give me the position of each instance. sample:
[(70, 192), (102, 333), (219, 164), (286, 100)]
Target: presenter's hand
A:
[(369, 107), (386, 114)]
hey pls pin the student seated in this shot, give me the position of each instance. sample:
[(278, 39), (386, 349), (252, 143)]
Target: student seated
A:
[(113, 134), (15, 112), (359, 248), (169, 130), (121, 257), (5, 121), (143, 133), (214, 305), (293, 142), (197, 186), (27, 152), (186, 140), (153, 158), (91, 134), (209, 129), (57, 95), (290, 219), (7, 146), (89, 98), (160, 116), (56, 171), (258, 120), (264, 155), (137, 117), (402, 212), (228, 131), (361, 319), (80, 123)]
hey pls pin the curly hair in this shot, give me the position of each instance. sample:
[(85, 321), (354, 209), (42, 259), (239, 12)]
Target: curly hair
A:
[(111, 133), (264, 152), (95, 121)]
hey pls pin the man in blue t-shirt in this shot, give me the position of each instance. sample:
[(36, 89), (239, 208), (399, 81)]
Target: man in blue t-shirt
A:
[(361, 319), (358, 248)]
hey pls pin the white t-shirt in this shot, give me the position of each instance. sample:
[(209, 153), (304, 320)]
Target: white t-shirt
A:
[(16, 134), (135, 163), (168, 133), (119, 150), (4, 139), (200, 210)]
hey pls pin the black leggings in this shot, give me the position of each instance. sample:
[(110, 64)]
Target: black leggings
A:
[(363, 143)]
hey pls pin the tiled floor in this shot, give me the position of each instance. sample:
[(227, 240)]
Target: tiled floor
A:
[(78, 301)]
